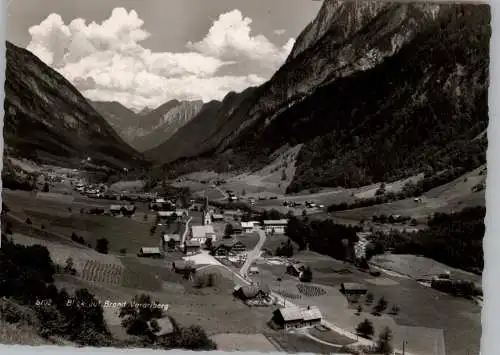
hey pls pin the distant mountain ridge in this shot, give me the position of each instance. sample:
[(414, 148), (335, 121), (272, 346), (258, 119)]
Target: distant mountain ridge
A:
[(146, 130), (48, 120), (358, 78)]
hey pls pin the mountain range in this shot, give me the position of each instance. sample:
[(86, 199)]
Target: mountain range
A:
[(375, 91), (148, 128), (372, 92), (48, 120)]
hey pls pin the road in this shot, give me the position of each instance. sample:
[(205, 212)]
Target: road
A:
[(253, 254), (186, 231)]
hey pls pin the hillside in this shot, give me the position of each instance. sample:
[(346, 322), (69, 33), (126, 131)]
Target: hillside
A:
[(48, 120), (357, 80), (148, 128)]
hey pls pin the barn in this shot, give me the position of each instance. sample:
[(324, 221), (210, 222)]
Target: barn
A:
[(352, 288), (296, 317), (150, 252)]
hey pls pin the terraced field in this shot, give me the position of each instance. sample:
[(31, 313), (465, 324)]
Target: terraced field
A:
[(310, 291), (109, 274)]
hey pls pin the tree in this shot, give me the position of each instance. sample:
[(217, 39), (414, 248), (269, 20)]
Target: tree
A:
[(228, 231), (123, 251), (135, 319), (28, 220), (194, 338), (45, 187), (69, 267), (365, 329), (369, 298), (384, 345), (306, 275), (283, 175), (102, 245), (380, 306), (208, 244), (394, 310), (171, 244)]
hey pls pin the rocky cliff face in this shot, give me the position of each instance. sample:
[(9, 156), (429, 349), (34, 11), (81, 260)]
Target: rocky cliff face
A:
[(146, 130), (47, 119)]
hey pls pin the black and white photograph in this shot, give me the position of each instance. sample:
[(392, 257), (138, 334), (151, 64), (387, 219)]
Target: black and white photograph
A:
[(294, 176)]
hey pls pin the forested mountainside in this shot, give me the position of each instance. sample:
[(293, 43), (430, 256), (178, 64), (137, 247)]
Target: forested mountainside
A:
[(375, 91), (48, 120), (148, 129)]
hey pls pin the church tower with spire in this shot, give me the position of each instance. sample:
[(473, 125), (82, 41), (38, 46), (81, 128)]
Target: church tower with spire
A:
[(207, 218)]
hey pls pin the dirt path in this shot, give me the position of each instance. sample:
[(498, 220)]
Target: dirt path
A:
[(253, 254)]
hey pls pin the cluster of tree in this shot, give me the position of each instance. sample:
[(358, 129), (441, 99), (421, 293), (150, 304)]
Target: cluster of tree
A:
[(102, 245), (457, 287), (454, 239), (142, 322), (324, 237), (26, 275), (285, 249), (410, 189), (78, 239), (383, 344), (271, 214), (393, 219)]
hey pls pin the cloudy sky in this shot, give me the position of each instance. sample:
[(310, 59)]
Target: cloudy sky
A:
[(146, 52)]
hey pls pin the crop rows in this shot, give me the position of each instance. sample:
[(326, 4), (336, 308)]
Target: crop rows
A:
[(289, 295), (109, 274), (310, 291)]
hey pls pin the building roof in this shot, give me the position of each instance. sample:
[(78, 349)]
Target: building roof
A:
[(297, 313), (166, 213), (247, 224), (183, 265), (235, 225), (217, 216), (201, 231), (250, 291), (160, 200), (176, 237), (276, 222), (148, 250), (115, 207), (165, 325), (353, 286), (254, 268), (193, 243)]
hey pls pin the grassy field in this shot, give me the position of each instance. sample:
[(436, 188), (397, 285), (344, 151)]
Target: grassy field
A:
[(330, 337), (243, 342)]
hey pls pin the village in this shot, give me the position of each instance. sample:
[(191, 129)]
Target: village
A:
[(217, 267)]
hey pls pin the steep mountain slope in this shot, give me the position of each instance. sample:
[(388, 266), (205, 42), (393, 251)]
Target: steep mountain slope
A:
[(147, 129), (163, 122), (47, 119), (116, 114), (376, 91)]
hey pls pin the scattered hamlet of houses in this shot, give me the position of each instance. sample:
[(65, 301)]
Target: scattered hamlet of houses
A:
[(352, 288), (297, 317), (154, 252)]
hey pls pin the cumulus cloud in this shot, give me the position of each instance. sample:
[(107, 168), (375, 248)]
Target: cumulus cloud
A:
[(107, 62)]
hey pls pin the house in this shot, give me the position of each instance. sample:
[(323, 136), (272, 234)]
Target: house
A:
[(253, 270), (165, 326), (295, 269), (238, 247), (181, 213), (222, 249), (183, 267), (202, 233), (352, 288), (217, 217), (247, 227), (296, 317), (275, 226), (149, 252), (128, 210), (248, 292), (191, 247), (115, 209), (174, 239), (164, 215), (236, 227)]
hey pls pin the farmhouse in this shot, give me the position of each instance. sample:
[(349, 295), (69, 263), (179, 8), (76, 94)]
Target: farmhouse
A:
[(275, 226), (227, 249), (183, 267), (217, 217), (248, 292), (295, 317), (174, 239), (165, 326), (247, 227), (149, 252), (202, 233), (295, 269), (351, 288), (128, 210), (191, 247), (253, 270), (115, 209), (236, 227)]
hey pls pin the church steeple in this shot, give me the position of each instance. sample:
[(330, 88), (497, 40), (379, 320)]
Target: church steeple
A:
[(207, 219)]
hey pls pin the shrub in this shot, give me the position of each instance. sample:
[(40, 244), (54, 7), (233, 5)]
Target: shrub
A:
[(365, 329)]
